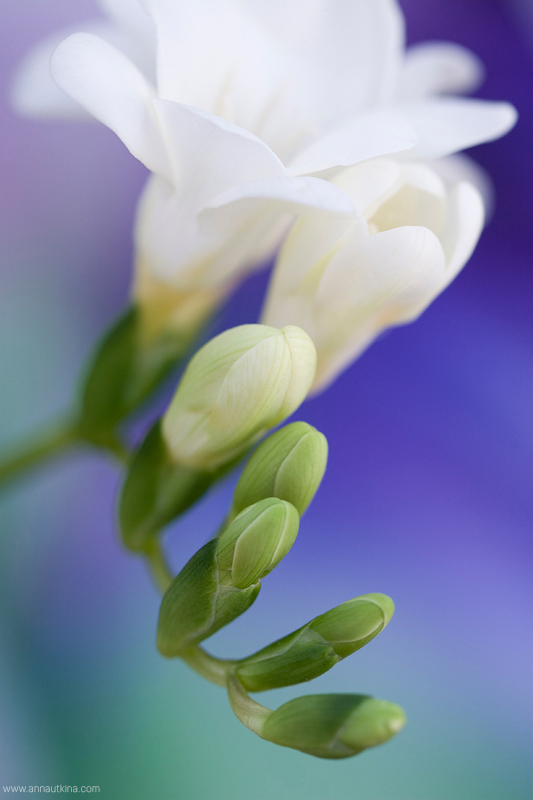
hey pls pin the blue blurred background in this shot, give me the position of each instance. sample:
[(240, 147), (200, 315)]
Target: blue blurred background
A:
[(427, 496)]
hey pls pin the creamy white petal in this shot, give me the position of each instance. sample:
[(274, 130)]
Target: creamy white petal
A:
[(250, 220), (226, 240), (113, 90), (34, 92), (216, 57), (384, 276), (210, 155), (129, 13), (418, 198), (465, 223), (136, 34), (353, 61), (371, 134), (302, 259), (460, 167), (167, 236), (447, 125), (299, 193), (368, 182), (295, 22), (382, 280), (433, 68)]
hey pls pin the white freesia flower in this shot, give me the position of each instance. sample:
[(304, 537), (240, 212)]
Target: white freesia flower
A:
[(346, 283), (322, 82), (219, 197), (233, 103)]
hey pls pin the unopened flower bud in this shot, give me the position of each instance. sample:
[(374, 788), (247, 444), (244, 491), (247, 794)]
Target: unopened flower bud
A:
[(350, 626), (222, 579), (312, 650), (241, 383), (257, 540), (333, 725), (290, 464)]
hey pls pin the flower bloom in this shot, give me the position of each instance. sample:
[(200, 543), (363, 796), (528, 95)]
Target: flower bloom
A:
[(344, 283), (234, 105)]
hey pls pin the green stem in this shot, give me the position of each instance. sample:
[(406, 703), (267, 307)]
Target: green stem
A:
[(58, 438), (212, 669), (158, 565), (247, 711)]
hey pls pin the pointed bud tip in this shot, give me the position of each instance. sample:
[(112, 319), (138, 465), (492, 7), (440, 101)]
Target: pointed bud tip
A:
[(289, 464), (257, 540), (372, 723), (385, 603)]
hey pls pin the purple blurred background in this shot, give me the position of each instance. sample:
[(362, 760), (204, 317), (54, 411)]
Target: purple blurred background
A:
[(427, 495)]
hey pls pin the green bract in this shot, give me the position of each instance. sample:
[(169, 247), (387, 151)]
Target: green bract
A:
[(157, 490), (223, 578), (290, 464), (124, 371), (316, 647), (333, 725), (240, 384)]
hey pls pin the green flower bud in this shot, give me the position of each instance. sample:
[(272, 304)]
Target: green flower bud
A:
[(350, 626), (333, 726), (290, 464), (257, 540), (312, 650), (240, 384), (222, 579)]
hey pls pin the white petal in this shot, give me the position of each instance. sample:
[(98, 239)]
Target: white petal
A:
[(302, 261), (295, 22), (465, 223), (381, 280), (418, 199), (368, 182), (352, 63), (210, 155), (250, 220), (112, 89), (448, 125), (167, 238), (438, 68), (216, 57), (298, 193), (34, 92), (136, 34), (460, 167), (375, 133), (128, 13)]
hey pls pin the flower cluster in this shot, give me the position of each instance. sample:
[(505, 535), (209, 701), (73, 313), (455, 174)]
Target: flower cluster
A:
[(301, 130)]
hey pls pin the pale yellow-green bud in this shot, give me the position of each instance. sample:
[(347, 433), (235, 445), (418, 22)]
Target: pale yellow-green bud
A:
[(241, 383), (290, 464)]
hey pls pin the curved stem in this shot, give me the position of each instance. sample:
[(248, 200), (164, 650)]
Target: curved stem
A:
[(212, 669), (247, 711), (58, 438), (158, 565)]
